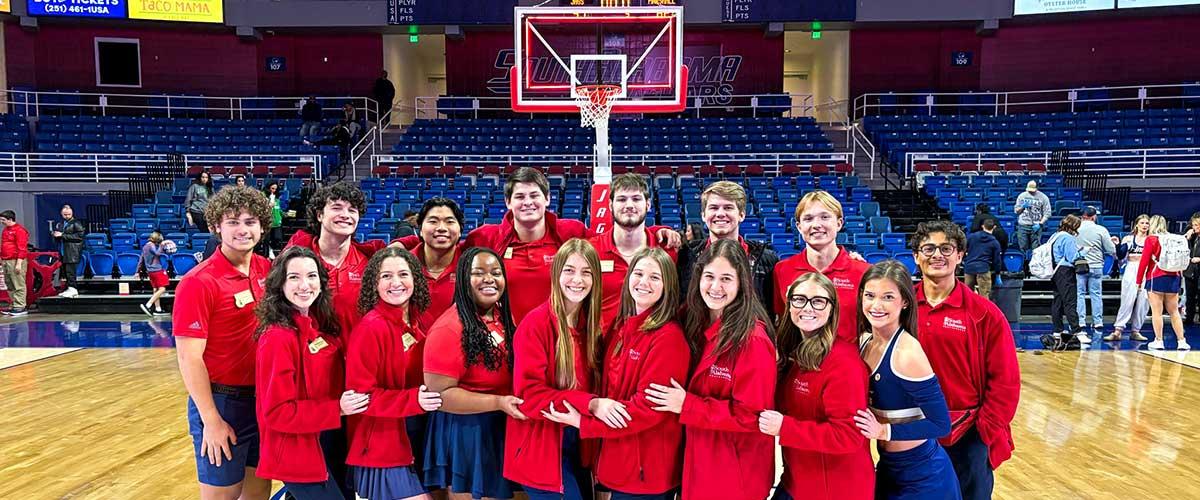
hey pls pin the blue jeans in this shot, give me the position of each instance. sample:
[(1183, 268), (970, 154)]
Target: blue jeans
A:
[(970, 458), (1087, 288), (1028, 239)]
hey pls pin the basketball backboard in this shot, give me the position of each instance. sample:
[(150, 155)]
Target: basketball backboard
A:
[(639, 49)]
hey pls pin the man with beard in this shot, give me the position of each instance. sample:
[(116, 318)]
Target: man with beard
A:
[(723, 206), (629, 201), (970, 347)]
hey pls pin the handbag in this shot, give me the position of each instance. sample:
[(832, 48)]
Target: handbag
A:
[(1082, 266)]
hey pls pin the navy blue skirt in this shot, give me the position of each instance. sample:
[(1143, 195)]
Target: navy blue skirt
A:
[(416, 428), (465, 454), (387, 483), (922, 473)]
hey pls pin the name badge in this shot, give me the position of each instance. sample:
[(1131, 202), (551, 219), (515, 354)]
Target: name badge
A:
[(606, 266), (316, 345), (508, 253), (243, 298), (497, 339), (409, 341)]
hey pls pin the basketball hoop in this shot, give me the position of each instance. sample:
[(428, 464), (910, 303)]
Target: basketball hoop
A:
[(594, 103)]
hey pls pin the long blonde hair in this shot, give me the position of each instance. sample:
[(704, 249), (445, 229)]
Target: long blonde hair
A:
[(807, 352), (564, 345), (667, 305), (1158, 225)]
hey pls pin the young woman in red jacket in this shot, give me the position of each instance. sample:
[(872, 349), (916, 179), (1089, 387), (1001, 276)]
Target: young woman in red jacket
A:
[(469, 362), (554, 365), (382, 351), (725, 456), (298, 373), (823, 383), (646, 345)]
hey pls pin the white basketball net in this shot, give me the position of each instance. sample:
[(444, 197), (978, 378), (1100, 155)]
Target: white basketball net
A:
[(594, 103)]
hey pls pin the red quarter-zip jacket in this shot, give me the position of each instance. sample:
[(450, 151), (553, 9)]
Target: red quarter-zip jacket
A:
[(533, 448), (378, 363), (725, 456), (646, 456), (824, 454), (298, 397)]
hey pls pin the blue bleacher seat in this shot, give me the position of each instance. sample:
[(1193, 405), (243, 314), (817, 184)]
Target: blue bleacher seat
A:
[(182, 262), (127, 263), (1014, 261), (101, 263)]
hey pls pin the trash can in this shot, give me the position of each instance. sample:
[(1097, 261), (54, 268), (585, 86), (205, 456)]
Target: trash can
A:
[(1007, 297)]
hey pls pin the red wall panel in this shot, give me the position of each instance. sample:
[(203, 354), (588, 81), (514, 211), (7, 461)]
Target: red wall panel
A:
[(197, 61), (912, 60)]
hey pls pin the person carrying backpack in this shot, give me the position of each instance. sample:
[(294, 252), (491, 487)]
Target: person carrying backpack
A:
[(1163, 261), (1063, 251)]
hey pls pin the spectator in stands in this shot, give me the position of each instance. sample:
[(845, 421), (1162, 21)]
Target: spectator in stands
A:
[(1063, 251), (1134, 302), (984, 259), (970, 347), (407, 225), (156, 270), (71, 233), (14, 253), (818, 219), (1192, 275), (275, 235), (384, 93), (239, 180), (339, 135), (310, 116), (210, 247), (350, 118), (694, 231), (196, 201), (1094, 243), (1033, 210), (1162, 287), (982, 213), (723, 205)]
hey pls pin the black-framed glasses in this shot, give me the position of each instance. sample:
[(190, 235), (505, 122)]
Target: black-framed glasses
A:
[(817, 303), (945, 249)]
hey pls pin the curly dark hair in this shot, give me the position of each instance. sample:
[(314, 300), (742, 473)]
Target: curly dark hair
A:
[(476, 340), (338, 191), (274, 308), (233, 200), (369, 296)]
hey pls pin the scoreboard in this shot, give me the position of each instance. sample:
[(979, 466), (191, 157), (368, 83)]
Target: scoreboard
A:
[(413, 12), (766, 11)]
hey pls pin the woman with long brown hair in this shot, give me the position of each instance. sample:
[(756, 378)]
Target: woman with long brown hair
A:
[(907, 410), (641, 461), (298, 374), (823, 383), (725, 455), (556, 346)]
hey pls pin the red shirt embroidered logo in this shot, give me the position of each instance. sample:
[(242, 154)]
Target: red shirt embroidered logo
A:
[(800, 386), (720, 372), (354, 277), (634, 355), (843, 283), (954, 324)]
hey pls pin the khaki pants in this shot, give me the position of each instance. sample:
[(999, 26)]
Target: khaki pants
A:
[(14, 281), (981, 283)]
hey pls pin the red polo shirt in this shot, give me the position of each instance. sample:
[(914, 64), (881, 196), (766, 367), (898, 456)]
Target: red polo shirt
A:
[(527, 263), (441, 288), (971, 349), (444, 356), (215, 301), (613, 269), (845, 273)]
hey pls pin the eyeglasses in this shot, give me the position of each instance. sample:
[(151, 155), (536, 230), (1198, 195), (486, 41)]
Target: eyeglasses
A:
[(945, 249), (817, 303)]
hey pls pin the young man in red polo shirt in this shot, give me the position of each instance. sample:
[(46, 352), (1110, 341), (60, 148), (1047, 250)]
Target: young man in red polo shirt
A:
[(629, 201), (971, 349), (819, 219), (213, 324), (724, 207), (333, 214), (440, 225)]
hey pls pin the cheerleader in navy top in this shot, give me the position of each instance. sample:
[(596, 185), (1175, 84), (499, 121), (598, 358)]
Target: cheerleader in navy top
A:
[(469, 362), (379, 358), (908, 412)]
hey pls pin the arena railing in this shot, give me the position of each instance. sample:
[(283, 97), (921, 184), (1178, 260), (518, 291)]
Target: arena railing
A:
[(38, 103), (1117, 163), (428, 107), (1026, 101), (834, 112), (771, 162), (108, 167)]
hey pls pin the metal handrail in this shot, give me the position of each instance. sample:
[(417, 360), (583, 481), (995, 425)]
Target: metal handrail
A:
[(1117, 163), (427, 106), (1002, 102), (770, 161), (104, 167), (368, 141)]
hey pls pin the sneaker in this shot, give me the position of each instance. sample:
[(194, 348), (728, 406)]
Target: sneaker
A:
[(1084, 338), (161, 313), (1183, 346), (1137, 336), (1157, 345), (1115, 336), (17, 313), (146, 310), (72, 291)]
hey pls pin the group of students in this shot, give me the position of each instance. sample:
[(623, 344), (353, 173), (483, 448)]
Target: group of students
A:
[(536, 356)]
